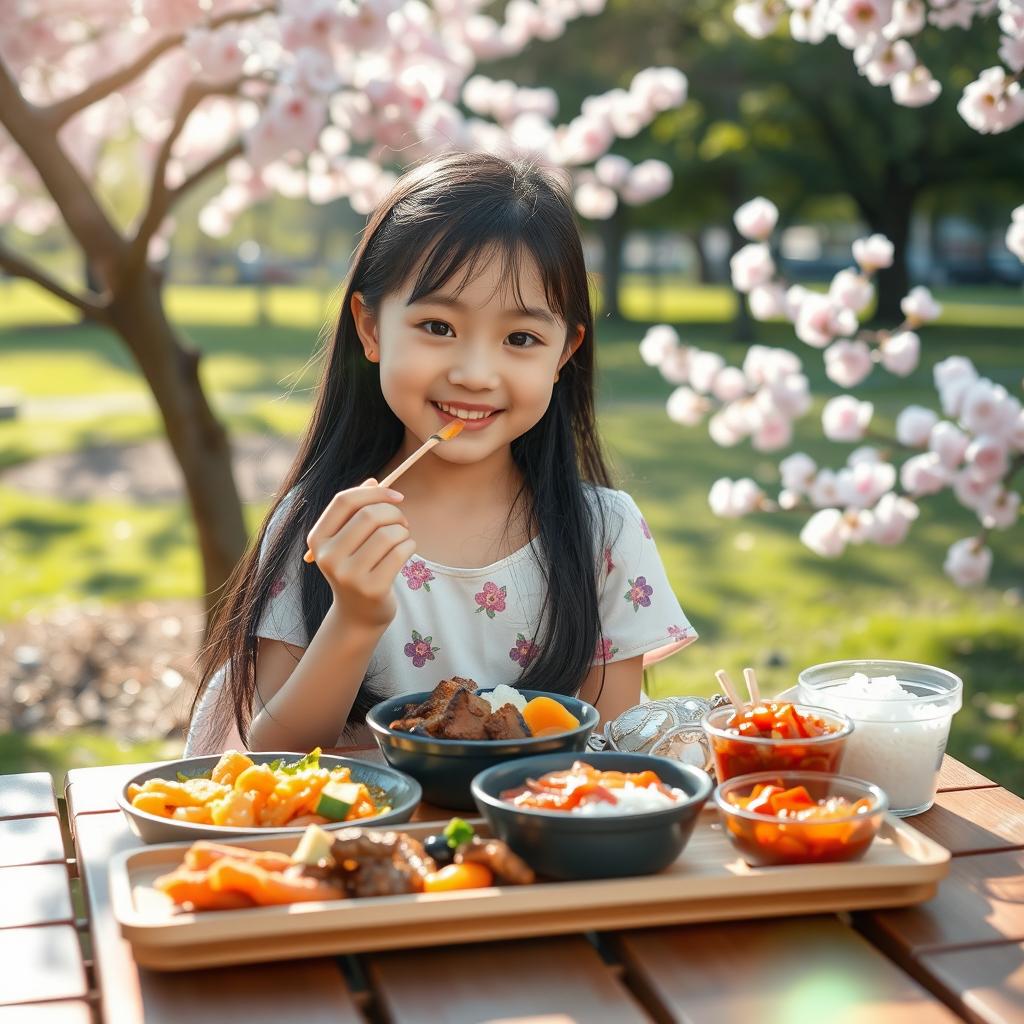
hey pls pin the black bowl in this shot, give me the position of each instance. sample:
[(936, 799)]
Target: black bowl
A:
[(445, 768), (562, 845)]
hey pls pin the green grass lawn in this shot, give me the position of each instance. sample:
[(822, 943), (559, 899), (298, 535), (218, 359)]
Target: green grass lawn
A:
[(756, 595)]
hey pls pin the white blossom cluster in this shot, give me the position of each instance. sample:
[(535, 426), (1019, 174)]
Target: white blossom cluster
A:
[(879, 35), (974, 448), (326, 96)]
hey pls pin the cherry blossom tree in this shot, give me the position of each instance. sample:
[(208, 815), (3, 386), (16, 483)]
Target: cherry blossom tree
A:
[(974, 444), (881, 34), (322, 99)]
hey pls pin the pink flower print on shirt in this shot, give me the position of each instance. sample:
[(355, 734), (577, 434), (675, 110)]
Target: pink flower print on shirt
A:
[(491, 599), (680, 632), (639, 593), (605, 650), (608, 563), (417, 574), (524, 651), (644, 528), (420, 650), (277, 586)]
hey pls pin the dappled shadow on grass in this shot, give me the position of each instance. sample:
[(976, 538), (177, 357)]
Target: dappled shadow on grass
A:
[(176, 532), (106, 583), (35, 535)]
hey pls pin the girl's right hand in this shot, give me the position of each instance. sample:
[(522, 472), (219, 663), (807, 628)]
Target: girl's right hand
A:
[(360, 544)]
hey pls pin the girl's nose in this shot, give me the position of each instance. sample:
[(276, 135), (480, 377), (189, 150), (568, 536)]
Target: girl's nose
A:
[(474, 368)]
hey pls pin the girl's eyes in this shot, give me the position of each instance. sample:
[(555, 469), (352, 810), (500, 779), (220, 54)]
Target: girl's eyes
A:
[(517, 339)]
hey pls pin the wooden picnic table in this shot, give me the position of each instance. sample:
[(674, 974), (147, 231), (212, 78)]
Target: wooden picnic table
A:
[(959, 956)]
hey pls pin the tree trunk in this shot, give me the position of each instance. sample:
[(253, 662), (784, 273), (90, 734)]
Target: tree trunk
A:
[(197, 438), (892, 219), (613, 234), (700, 263)]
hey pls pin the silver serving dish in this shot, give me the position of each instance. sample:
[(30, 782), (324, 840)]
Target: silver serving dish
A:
[(669, 727)]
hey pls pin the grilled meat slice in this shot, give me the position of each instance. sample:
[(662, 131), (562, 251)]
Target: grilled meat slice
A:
[(379, 863), (463, 718), (434, 704), (507, 867), (506, 724)]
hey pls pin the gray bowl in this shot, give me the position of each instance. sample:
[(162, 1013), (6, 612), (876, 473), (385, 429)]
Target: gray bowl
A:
[(566, 846), (403, 794), (445, 768)]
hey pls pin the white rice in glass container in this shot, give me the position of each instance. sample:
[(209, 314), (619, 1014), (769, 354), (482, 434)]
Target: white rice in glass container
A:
[(901, 712)]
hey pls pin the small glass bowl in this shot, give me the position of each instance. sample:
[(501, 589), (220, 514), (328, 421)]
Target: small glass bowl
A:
[(765, 839), (744, 755)]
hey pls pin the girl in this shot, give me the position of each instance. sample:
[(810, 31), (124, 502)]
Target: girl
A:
[(503, 555)]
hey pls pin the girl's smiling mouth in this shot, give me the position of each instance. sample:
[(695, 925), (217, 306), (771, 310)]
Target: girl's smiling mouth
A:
[(472, 417)]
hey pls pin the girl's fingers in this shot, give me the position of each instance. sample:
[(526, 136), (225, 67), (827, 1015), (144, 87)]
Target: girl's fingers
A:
[(390, 565), (362, 526), (342, 507), (369, 554)]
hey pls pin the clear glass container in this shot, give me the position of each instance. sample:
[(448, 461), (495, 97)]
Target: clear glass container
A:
[(898, 742)]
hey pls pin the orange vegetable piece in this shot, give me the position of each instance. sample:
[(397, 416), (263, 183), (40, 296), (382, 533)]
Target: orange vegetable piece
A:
[(268, 888), (544, 713), (202, 854), (459, 876), (194, 887)]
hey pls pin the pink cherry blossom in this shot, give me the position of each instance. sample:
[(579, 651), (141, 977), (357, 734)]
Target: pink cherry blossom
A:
[(993, 103), (704, 369), (968, 563), (949, 442), (891, 519), (767, 301), (845, 418), (751, 266), (756, 219), (900, 353), (914, 426), (758, 18), (825, 533), (923, 474), (852, 290), (915, 88), (1000, 510), (732, 499), (919, 307), (797, 472), (649, 180), (657, 343), (873, 253), (847, 363), (686, 407), (1015, 235), (987, 457)]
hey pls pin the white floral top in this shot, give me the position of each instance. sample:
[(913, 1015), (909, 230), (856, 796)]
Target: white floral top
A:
[(481, 622)]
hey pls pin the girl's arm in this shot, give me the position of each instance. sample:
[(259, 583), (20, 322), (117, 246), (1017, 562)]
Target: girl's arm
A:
[(303, 697), (359, 543), (623, 686)]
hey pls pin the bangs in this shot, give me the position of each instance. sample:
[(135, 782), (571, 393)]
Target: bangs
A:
[(472, 234)]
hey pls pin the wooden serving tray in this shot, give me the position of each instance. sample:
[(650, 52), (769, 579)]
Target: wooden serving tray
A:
[(709, 882)]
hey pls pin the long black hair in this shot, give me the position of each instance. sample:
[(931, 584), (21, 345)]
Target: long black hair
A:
[(439, 221)]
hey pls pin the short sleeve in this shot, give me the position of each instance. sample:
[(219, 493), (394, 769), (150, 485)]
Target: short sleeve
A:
[(282, 614), (640, 613)]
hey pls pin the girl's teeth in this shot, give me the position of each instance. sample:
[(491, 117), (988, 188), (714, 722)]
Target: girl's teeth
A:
[(463, 414)]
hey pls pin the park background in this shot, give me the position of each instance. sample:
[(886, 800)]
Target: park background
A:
[(101, 587)]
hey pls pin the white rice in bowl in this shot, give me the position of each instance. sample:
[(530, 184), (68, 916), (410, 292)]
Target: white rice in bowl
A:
[(631, 800)]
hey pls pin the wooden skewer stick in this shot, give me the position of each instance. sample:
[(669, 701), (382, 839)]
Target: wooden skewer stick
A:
[(752, 686), (730, 689), (446, 433)]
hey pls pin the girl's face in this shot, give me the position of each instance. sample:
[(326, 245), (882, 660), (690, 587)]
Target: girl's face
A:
[(474, 355)]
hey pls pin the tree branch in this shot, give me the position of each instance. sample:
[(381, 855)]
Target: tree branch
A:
[(57, 113), (91, 304)]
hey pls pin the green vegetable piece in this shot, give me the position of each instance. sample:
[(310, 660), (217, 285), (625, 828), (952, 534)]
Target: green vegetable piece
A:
[(311, 760), (458, 833), (314, 846), (337, 799), (275, 764)]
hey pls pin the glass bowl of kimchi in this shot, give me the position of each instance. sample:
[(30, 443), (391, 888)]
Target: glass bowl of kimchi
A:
[(593, 815), (800, 817)]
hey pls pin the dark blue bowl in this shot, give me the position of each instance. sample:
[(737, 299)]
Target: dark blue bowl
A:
[(445, 768), (562, 845)]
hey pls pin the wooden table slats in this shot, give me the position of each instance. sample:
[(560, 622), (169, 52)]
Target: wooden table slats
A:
[(31, 841), (955, 775), (27, 796), (562, 979), (35, 894), (975, 821), (987, 982), (981, 902), (41, 964), (964, 947), (801, 968)]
